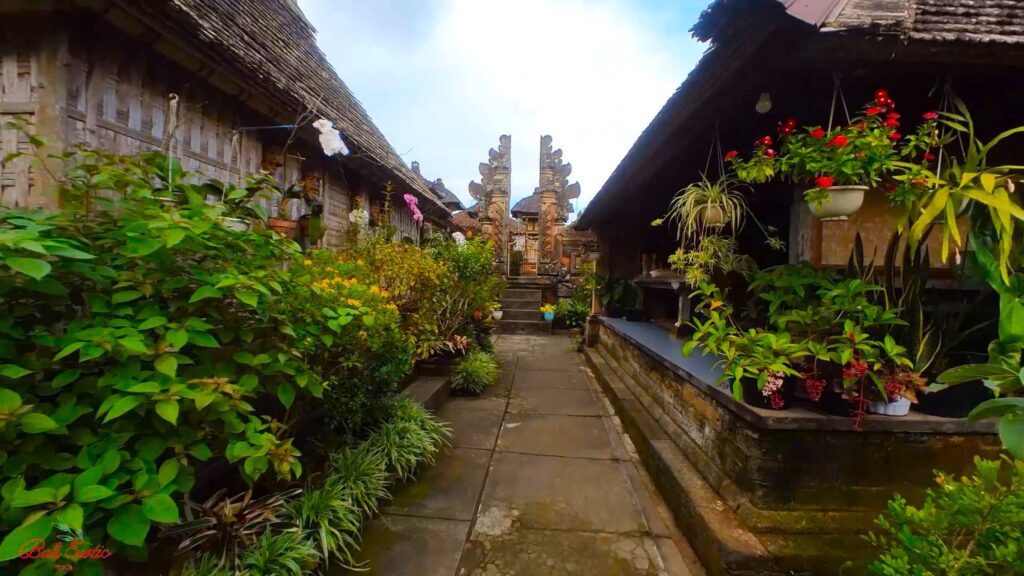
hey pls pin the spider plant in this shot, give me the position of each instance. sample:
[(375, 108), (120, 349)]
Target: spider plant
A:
[(475, 372), (280, 554), (363, 473), (412, 437), (707, 205), (330, 518)]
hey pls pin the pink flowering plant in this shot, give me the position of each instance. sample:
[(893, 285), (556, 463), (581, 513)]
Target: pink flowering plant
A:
[(864, 152), (413, 203)]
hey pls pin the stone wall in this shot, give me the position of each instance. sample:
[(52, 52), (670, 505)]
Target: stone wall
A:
[(801, 482)]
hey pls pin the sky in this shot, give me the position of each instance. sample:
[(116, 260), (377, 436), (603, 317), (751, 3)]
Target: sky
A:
[(442, 79)]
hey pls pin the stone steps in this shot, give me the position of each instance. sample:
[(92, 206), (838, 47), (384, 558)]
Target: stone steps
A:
[(523, 326), (521, 314), (531, 294), (520, 304)]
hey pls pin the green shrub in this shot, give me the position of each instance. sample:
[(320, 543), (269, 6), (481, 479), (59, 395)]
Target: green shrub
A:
[(476, 371), (134, 338), (363, 474), (411, 438), (573, 312), (290, 553), (967, 526), (329, 517)]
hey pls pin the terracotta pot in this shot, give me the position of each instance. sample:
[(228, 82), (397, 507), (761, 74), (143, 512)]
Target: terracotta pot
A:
[(283, 227), (842, 201), (712, 215)]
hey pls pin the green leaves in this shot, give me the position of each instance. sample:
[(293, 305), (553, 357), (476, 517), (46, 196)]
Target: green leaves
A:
[(125, 296), (33, 267), (121, 406), (38, 529), (160, 508), (13, 371), (1011, 432), (203, 293), (129, 524), (168, 410), (93, 493), (166, 364), (286, 394), (36, 423)]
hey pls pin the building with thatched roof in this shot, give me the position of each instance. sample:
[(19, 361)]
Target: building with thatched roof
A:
[(212, 81), (788, 492)]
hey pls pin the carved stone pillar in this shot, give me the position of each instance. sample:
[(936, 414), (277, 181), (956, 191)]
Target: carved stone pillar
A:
[(492, 193)]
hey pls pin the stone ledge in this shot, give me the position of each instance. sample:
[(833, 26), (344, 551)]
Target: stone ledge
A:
[(711, 527), (695, 373), (428, 391)]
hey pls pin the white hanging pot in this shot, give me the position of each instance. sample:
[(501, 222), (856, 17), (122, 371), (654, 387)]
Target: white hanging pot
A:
[(900, 407), (712, 216), (496, 314), (842, 201)]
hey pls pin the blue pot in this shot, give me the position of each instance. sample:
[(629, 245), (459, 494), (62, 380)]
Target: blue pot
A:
[(549, 316)]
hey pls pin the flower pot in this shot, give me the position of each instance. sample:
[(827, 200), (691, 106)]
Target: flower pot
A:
[(834, 403), (899, 407), (842, 201), (712, 216), (549, 316), (496, 314), (753, 397), (236, 224), (283, 227)]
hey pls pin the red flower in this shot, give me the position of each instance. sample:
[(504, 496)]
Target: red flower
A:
[(891, 123), (837, 141), (881, 95), (731, 154), (815, 386), (477, 314), (766, 141), (873, 111), (824, 181), (852, 336), (791, 122), (777, 401), (785, 130), (769, 152), (931, 115), (817, 133), (895, 136), (929, 156), (892, 116)]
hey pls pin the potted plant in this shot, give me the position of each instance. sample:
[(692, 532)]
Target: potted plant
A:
[(282, 222), (496, 311), (548, 312), (707, 205), (838, 165)]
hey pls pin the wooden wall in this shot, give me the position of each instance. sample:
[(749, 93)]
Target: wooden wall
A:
[(109, 91)]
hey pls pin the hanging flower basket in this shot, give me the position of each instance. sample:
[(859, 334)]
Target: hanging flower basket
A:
[(841, 203)]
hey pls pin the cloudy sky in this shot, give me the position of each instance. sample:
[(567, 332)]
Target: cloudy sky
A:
[(444, 78)]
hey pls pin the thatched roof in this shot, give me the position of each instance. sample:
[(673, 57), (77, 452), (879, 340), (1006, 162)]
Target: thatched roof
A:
[(271, 46), (739, 30), (529, 206), (996, 21)]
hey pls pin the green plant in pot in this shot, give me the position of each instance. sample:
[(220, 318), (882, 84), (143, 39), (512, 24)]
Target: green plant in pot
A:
[(707, 206)]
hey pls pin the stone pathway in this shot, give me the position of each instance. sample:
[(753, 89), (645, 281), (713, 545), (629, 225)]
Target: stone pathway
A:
[(539, 480)]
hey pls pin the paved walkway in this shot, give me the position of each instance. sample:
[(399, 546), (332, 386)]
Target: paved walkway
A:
[(539, 481)]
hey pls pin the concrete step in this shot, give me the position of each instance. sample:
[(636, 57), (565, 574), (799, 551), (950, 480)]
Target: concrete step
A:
[(521, 294), (523, 327), (521, 314), (520, 303)]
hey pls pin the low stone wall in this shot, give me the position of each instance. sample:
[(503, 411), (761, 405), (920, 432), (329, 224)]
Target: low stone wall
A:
[(805, 484)]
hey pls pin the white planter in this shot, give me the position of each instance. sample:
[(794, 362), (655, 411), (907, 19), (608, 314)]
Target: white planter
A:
[(899, 407), (236, 224), (843, 201), (496, 314), (712, 216)]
